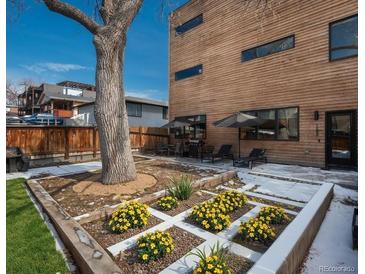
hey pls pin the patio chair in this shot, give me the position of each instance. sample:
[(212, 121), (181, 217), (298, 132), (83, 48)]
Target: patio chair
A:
[(256, 155), (194, 150), (223, 152), (178, 151), (162, 149)]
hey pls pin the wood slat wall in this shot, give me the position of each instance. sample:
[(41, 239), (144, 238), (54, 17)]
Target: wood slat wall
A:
[(42, 140), (302, 76)]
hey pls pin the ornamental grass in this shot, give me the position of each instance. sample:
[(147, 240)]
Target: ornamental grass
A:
[(181, 187), (154, 245), (130, 215), (273, 215), (214, 263), (167, 203), (256, 230)]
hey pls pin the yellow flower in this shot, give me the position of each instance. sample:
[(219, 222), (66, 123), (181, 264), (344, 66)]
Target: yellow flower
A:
[(145, 257)]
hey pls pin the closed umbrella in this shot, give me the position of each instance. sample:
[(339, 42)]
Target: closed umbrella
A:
[(239, 120)]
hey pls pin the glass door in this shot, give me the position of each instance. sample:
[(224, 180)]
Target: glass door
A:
[(341, 146)]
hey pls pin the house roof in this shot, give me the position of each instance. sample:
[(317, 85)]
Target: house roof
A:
[(51, 91), (79, 85), (140, 100)]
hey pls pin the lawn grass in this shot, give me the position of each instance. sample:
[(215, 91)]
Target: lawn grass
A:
[(30, 247)]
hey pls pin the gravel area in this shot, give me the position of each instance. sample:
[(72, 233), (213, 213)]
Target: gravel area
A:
[(106, 238), (238, 264), (183, 242)]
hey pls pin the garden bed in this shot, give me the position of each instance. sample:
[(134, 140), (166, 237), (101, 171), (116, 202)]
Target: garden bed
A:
[(196, 198), (72, 192), (259, 246), (183, 242), (100, 231)]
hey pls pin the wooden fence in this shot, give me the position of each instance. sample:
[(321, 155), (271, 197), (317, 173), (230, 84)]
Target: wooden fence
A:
[(48, 140)]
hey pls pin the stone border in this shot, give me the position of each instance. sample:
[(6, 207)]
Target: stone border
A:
[(90, 256), (289, 250)]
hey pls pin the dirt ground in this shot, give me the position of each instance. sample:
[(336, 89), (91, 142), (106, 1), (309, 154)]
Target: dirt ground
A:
[(62, 189)]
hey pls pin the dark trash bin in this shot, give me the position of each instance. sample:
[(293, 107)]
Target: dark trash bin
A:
[(16, 160)]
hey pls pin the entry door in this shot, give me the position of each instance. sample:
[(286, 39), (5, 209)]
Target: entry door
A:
[(341, 141)]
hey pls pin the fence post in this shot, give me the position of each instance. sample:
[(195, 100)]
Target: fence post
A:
[(67, 144), (94, 142), (140, 138)]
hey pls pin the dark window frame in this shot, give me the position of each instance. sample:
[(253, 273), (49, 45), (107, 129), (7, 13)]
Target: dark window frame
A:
[(199, 22), (198, 68), (297, 139), (330, 39), (183, 129), (141, 108), (165, 113), (262, 45)]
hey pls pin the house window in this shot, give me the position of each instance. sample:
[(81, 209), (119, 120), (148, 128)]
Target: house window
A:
[(189, 72), (164, 113), (189, 24), (269, 48), (134, 109), (279, 124), (343, 38), (196, 130)]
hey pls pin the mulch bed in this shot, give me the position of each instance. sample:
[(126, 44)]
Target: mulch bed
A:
[(105, 237), (61, 188), (238, 264), (183, 242), (195, 198), (258, 246)]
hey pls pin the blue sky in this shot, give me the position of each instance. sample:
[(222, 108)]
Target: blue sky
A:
[(47, 47)]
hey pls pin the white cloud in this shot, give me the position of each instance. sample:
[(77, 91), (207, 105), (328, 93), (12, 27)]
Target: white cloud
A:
[(56, 67)]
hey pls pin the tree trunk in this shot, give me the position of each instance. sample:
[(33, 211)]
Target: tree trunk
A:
[(110, 111)]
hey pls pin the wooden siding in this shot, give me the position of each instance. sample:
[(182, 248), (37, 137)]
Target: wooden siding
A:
[(46, 140), (302, 76)]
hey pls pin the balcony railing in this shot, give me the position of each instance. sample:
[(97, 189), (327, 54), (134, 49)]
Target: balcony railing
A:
[(62, 113)]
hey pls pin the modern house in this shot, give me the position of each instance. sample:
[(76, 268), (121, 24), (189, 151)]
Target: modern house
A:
[(58, 99), (28, 101), (293, 64), (141, 112)]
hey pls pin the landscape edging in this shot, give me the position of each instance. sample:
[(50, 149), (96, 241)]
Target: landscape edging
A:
[(289, 250), (89, 255)]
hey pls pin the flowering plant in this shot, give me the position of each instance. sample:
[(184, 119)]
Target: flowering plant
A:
[(167, 203), (231, 200), (273, 215), (154, 245), (211, 215), (130, 215), (215, 263), (256, 230)]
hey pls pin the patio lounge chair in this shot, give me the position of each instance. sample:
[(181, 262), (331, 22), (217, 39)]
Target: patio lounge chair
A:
[(224, 152), (256, 155)]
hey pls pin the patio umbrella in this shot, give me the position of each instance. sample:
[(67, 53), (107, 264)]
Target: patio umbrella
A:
[(239, 120), (176, 124)]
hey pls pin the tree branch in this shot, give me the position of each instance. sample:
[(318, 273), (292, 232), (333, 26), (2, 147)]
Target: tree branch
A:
[(73, 13)]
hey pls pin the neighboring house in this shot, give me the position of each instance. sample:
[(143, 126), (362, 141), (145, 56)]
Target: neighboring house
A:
[(58, 99), (28, 101), (12, 109), (294, 65), (141, 112), (61, 100)]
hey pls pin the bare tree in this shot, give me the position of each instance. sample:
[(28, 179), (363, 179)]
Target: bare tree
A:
[(11, 93)]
